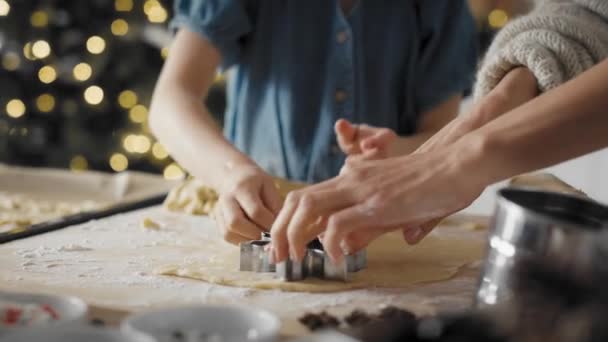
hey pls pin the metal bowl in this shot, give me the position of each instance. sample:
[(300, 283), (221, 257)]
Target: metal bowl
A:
[(536, 224)]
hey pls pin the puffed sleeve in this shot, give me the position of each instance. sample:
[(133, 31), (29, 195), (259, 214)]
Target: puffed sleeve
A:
[(447, 55), (223, 22)]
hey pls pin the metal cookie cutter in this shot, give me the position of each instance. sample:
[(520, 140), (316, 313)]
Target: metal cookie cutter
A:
[(253, 256), (315, 264)]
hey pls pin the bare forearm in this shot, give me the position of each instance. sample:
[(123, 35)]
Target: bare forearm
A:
[(190, 134), (564, 123), (409, 144), (430, 123), (179, 118)]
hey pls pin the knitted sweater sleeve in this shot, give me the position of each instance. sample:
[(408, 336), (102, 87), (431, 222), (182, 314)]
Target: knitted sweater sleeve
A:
[(557, 41)]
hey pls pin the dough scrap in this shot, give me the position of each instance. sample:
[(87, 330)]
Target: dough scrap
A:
[(149, 224), (391, 264), (19, 210), (195, 198)]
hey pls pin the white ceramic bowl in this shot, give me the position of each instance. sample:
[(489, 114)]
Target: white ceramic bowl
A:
[(71, 310), (326, 336), (74, 334), (206, 323)]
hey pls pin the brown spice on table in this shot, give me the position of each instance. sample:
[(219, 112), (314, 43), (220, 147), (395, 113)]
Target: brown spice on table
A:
[(319, 321), (357, 318)]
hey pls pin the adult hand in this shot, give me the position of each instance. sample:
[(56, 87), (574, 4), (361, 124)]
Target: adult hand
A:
[(359, 139), (373, 197), (248, 204), (516, 88)]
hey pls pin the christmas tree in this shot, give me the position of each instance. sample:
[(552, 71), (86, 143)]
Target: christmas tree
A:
[(77, 77)]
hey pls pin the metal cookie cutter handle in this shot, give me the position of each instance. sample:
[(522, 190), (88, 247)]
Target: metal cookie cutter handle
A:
[(254, 258)]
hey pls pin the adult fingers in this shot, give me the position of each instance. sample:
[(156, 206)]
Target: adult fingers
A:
[(342, 223), (414, 235), (314, 210), (307, 221)]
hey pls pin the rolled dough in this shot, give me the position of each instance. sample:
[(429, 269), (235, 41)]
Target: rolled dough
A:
[(391, 264)]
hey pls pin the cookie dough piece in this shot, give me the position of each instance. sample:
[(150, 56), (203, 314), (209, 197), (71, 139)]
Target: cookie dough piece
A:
[(195, 198)]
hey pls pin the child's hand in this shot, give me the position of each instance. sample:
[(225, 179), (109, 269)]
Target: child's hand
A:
[(247, 205), (361, 139)]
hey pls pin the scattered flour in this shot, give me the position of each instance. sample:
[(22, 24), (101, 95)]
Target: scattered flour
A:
[(73, 248)]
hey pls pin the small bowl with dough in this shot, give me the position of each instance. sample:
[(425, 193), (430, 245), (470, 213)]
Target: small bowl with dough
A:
[(24, 311), (206, 323), (75, 334)]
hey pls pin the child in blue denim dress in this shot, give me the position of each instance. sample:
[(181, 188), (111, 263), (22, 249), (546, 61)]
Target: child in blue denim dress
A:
[(296, 68)]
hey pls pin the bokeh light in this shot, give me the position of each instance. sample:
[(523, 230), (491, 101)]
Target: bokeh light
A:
[(15, 108), (119, 162), (93, 95), (96, 45)]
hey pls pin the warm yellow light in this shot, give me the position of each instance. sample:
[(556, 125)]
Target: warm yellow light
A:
[(118, 162), (127, 99), (96, 45), (164, 52), (47, 74), (15, 108), (11, 61), (41, 49), (93, 95), (173, 171), (123, 5), (142, 144), (27, 51), (79, 163), (138, 114), (119, 27), (136, 143), (157, 14), (159, 152), (498, 18), (39, 19), (45, 103), (128, 143), (149, 5), (5, 8), (82, 71)]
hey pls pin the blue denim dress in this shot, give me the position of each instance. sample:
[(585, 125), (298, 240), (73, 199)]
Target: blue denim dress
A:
[(298, 66)]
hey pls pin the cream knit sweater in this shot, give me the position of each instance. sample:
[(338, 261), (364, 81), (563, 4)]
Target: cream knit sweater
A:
[(558, 40)]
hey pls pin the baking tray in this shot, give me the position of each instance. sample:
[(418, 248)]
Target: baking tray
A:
[(115, 193)]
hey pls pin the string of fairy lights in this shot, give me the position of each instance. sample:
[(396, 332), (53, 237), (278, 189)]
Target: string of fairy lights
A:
[(60, 72), (76, 80)]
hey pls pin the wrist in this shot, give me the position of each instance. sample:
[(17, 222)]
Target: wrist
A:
[(478, 159)]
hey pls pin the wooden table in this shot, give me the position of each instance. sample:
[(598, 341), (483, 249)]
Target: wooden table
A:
[(109, 264)]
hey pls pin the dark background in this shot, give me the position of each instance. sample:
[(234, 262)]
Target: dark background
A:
[(76, 79)]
